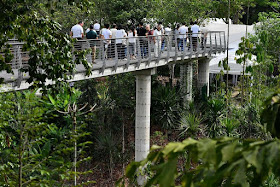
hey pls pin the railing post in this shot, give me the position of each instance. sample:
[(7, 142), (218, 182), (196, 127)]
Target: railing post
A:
[(216, 45), (142, 50), (159, 47), (197, 45), (128, 54), (169, 46), (176, 47), (139, 56), (150, 39), (211, 46), (20, 75), (185, 47), (191, 46), (225, 44), (203, 44), (104, 55), (221, 48), (116, 55)]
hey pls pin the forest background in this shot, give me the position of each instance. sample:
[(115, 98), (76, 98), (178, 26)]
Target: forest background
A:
[(39, 136)]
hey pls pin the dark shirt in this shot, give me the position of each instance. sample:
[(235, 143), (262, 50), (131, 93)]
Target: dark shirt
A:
[(141, 31), (91, 34)]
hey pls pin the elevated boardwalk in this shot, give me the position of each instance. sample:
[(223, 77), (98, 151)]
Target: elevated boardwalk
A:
[(117, 56), (141, 55)]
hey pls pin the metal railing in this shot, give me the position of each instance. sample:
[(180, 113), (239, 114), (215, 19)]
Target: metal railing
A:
[(112, 53)]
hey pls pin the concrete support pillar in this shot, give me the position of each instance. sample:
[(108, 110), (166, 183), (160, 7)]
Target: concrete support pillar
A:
[(203, 75), (186, 76), (189, 72), (142, 116)]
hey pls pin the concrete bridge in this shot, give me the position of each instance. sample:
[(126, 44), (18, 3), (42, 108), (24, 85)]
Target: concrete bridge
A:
[(140, 55)]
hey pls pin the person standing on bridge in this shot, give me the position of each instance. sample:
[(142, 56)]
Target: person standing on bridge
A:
[(77, 31), (141, 32), (167, 37), (183, 30), (195, 30), (177, 38), (91, 34), (106, 35), (204, 32), (157, 40), (149, 34), (119, 41), (96, 27), (111, 50), (132, 42)]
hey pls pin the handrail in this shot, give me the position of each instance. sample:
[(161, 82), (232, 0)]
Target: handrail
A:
[(134, 51)]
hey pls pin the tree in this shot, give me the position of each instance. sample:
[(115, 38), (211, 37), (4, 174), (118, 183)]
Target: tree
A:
[(32, 151), (122, 11), (179, 11), (50, 51)]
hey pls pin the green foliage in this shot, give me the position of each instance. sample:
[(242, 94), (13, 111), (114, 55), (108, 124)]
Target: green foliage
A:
[(271, 113), (121, 11), (230, 125), (216, 109), (189, 124), (32, 151), (225, 161), (50, 50), (165, 106), (122, 90), (179, 11)]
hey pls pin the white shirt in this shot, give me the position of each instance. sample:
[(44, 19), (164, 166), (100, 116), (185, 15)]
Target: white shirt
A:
[(195, 29), (113, 32), (157, 33), (183, 31), (96, 26), (167, 30), (132, 38), (204, 31), (176, 33), (120, 34), (106, 33), (77, 31)]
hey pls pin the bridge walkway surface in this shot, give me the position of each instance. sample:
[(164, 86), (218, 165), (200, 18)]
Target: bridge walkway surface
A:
[(121, 55)]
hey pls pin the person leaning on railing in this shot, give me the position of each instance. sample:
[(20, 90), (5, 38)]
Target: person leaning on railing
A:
[(91, 34)]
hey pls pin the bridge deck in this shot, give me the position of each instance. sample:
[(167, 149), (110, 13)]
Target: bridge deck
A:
[(118, 58)]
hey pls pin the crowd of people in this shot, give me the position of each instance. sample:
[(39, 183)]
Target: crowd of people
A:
[(158, 36)]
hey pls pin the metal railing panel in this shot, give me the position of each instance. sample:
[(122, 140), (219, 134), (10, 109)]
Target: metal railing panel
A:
[(117, 52)]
